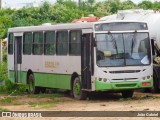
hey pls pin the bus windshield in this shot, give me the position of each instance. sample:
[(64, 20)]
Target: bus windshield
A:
[(123, 49)]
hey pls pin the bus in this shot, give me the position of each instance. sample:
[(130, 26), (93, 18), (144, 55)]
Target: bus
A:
[(81, 57)]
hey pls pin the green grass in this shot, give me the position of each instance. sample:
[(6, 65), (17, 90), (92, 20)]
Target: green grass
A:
[(48, 104), (51, 96), (7, 99), (4, 109)]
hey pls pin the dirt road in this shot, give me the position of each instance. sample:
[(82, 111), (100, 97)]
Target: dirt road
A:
[(100, 102)]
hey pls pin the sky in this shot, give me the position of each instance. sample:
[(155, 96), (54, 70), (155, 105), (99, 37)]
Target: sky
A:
[(19, 3)]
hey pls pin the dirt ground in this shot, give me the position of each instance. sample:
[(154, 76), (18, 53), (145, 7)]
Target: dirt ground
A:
[(98, 102)]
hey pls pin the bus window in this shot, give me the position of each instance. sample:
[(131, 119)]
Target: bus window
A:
[(10, 44), (75, 43), (27, 43), (49, 43), (38, 43), (62, 43)]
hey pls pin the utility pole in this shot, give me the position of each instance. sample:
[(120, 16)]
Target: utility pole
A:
[(79, 2), (0, 4)]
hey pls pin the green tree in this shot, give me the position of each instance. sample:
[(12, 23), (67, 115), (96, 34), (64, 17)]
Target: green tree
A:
[(145, 5), (156, 5), (128, 4)]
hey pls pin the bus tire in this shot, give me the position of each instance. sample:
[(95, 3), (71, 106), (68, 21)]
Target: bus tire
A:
[(32, 88), (78, 93), (127, 93), (43, 90), (155, 88)]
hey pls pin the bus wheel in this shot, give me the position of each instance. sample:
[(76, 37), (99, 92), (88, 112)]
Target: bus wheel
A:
[(32, 88), (43, 90), (155, 88), (127, 94), (78, 93)]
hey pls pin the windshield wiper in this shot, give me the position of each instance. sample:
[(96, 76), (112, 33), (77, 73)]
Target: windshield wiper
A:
[(113, 42), (133, 40)]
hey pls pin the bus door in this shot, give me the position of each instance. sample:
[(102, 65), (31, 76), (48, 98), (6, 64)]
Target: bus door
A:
[(17, 58), (86, 59)]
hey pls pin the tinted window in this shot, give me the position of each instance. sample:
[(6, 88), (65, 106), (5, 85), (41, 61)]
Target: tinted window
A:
[(49, 43), (10, 43), (38, 43), (62, 43), (27, 43), (75, 43)]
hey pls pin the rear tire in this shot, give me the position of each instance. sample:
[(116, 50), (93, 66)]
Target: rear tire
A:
[(127, 94), (32, 88), (78, 93)]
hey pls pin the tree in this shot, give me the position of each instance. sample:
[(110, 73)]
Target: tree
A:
[(156, 5), (145, 5), (128, 4)]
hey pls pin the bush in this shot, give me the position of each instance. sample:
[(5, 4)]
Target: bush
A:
[(11, 88), (3, 71), (4, 54)]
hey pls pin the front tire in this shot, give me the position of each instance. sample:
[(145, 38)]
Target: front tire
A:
[(78, 93), (32, 88), (127, 94), (155, 88)]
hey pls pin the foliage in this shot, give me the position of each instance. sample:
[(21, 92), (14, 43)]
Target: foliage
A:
[(7, 99), (3, 71), (65, 11), (4, 109), (12, 89), (9, 87)]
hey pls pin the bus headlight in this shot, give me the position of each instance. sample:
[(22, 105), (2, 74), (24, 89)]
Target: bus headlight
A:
[(143, 78), (104, 80)]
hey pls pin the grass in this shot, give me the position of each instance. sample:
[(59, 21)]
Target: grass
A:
[(7, 99), (140, 97), (48, 104), (53, 100), (4, 109), (51, 96)]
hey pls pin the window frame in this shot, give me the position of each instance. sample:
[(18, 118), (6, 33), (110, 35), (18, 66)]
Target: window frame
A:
[(53, 42), (71, 54), (67, 44), (33, 43), (27, 43), (12, 44)]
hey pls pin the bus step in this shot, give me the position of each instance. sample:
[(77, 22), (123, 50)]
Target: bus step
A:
[(89, 90)]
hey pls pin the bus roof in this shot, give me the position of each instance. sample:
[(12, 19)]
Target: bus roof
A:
[(70, 26)]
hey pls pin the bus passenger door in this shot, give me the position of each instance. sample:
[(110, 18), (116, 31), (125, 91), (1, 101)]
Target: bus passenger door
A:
[(85, 61), (17, 58)]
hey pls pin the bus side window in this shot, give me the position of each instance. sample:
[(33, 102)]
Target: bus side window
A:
[(10, 44), (49, 43), (62, 43), (27, 43), (75, 42), (37, 43)]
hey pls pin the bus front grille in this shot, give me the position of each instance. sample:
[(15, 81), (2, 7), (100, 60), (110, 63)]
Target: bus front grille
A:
[(124, 71), (126, 79), (125, 85)]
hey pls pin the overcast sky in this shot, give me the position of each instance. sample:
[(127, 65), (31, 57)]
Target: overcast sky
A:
[(18, 3)]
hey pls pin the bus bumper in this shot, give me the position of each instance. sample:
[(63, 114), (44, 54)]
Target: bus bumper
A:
[(108, 86)]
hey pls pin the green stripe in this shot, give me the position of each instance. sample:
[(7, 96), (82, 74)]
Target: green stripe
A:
[(46, 80)]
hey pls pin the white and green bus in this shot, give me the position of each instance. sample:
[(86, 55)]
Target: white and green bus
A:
[(81, 57)]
